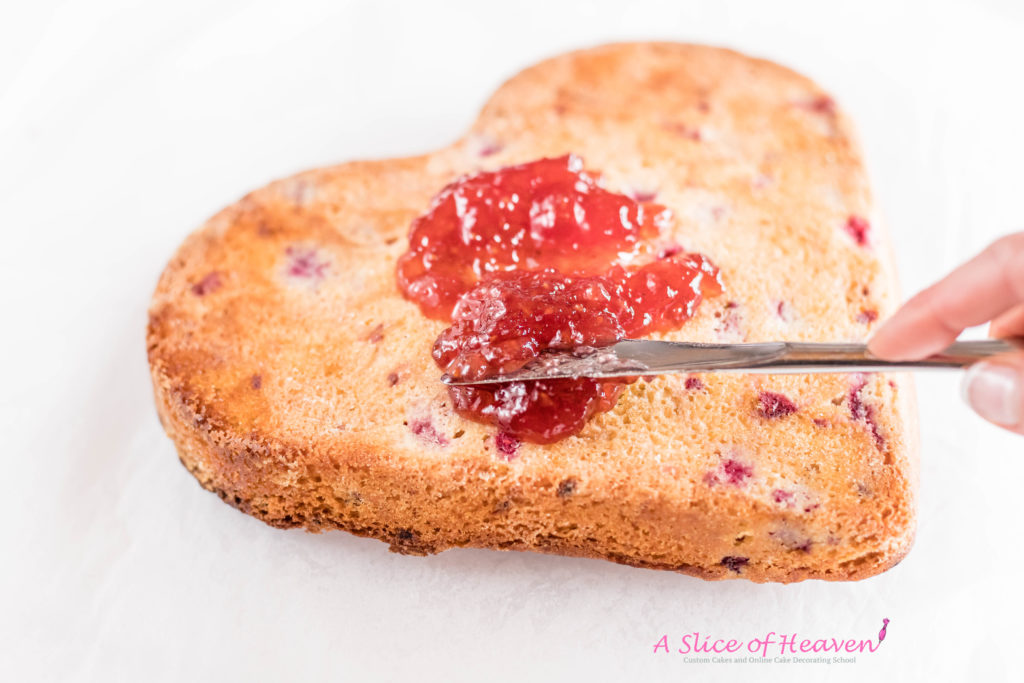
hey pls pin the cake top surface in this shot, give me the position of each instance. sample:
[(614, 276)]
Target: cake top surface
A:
[(281, 322)]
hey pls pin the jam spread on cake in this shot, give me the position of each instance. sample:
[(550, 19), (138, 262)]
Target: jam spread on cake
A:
[(535, 257)]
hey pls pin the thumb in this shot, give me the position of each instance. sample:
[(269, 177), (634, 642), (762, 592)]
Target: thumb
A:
[(995, 390)]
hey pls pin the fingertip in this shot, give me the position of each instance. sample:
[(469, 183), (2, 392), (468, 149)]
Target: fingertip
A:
[(888, 344), (900, 346), (879, 346), (911, 334)]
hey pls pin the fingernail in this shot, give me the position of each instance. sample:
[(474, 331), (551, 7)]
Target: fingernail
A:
[(994, 392)]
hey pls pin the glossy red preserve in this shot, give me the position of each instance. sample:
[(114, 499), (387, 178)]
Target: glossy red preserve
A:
[(535, 257)]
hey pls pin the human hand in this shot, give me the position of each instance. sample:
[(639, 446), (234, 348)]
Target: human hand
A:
[(988, 288)]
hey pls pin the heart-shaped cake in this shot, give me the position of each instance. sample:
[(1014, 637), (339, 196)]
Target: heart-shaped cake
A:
[(297, 340)]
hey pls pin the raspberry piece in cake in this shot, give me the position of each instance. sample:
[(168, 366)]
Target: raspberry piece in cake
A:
[(734, 563), (773, 405), (858, 228), (211, 282), (305, 263)]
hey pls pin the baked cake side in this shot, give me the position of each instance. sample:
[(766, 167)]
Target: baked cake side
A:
[(297, 383)]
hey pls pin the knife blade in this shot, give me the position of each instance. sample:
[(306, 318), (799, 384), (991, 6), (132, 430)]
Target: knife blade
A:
[(632, 357)]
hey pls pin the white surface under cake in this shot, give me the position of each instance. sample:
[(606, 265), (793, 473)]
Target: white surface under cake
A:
[(123, 127)]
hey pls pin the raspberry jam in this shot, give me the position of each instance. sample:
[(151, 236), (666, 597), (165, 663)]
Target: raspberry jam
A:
[(535, 257), (544, 214)]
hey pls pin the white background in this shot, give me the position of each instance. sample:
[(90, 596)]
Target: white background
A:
[(123, 126)]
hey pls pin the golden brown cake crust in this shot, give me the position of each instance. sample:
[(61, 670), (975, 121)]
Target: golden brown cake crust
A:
[(297, 383)]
